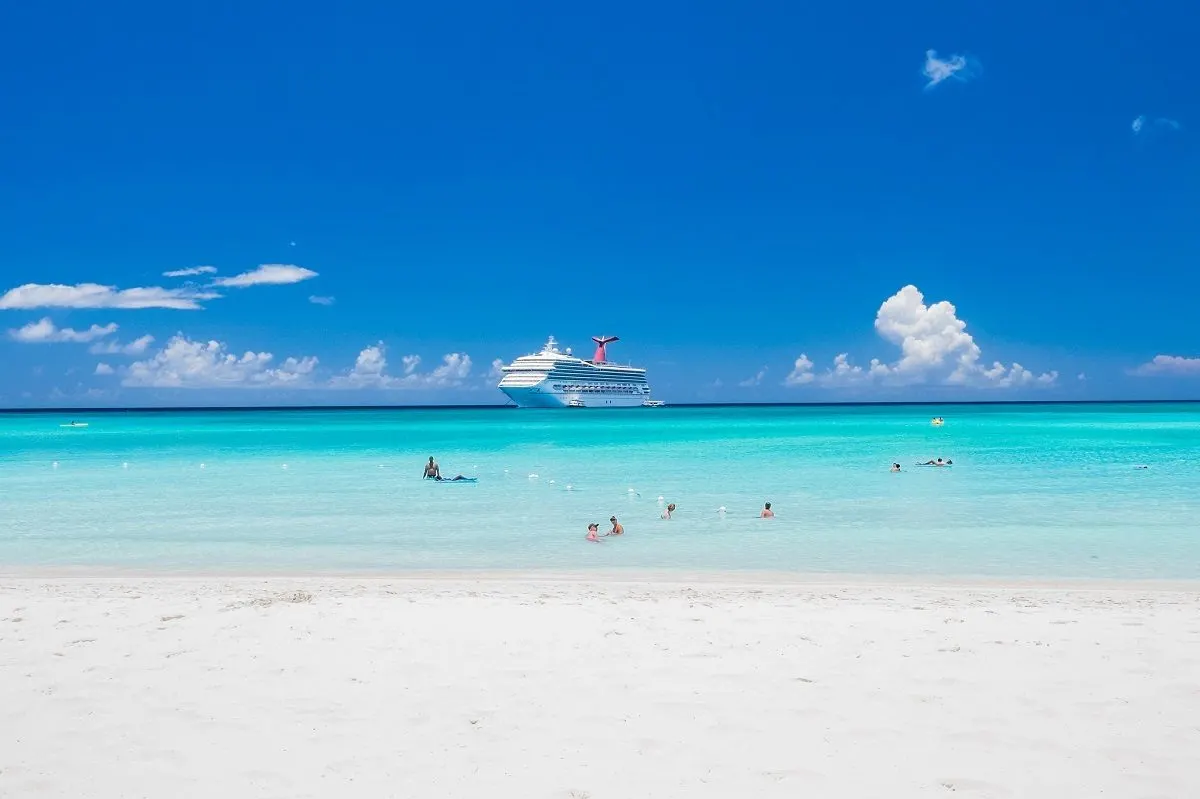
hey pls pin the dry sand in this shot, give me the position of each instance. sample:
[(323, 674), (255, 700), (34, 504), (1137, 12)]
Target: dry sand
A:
[(345, 687)]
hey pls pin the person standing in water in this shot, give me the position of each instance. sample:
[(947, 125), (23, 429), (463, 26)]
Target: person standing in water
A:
[(593, 529), (432, 470), (617, 529), (667, 513), (767, 513)]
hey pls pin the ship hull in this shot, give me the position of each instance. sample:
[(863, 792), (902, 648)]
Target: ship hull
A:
[(541, 396)]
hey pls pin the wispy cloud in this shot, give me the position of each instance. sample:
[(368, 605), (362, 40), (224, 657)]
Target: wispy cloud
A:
[(1143, 124), (1169, 366), (103, 369), (190, 271), (184, 363), (370, 371), (94, 295), (935, 347), (938, 70), (315, 300), (755, 379), (268, 275), (44, 331), (136, 347)]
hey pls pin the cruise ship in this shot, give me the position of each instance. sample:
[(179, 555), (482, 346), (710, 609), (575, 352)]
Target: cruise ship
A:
[(554, 379)]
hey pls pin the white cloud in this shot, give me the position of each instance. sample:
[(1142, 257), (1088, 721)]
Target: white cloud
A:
[(497, 370), (195, 270), (801, 372), (135, 347), (1163, 123), (184, 363), (315, 300), (935, 347), (370, 371), (754, 380), (103, 369), (44, 331), (1081, 376), (1169, 366), (268, 275), (938, 69), (94, 295)]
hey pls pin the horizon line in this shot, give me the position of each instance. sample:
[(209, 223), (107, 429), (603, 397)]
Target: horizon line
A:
[(511, 407)]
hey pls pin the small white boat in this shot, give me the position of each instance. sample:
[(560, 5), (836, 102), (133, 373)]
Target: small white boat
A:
[(74, 424), (653, 404)]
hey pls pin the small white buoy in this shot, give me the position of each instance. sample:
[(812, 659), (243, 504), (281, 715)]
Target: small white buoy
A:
[(124, 465), (721, 509), (570, 487), (284, 466), (202, 466), (660, 500), (54, 465), (551, 482)]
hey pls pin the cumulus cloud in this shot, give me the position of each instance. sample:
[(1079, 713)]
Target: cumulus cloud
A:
[(268, 275), (497, 370), (103, 369), (755, 379), (802, 372), (940, 69), (44, 331), (135, 347), (1169, 366), (194, 270), (370, 371), (94, 295), (935, 347), (315, 300), (184, 363)]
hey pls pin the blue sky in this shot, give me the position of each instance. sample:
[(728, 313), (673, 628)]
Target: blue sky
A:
[(728, 187)]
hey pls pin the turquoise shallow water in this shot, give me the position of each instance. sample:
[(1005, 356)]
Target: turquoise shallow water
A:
[(1036, 491)]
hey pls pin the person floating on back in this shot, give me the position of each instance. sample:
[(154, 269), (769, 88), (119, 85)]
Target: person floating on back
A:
[(767, 513), (938, 462), (432, 470), (617, 529)]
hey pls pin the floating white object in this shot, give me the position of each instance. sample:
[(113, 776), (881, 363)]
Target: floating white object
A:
[(631, 491), (551, 482), (54, 465), (533, 476), (660, 500), (570, 487), (124, 465), (721, 509), (284, 466), (202, 466)]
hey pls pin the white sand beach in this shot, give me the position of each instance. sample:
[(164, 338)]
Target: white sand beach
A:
[(357, 687)]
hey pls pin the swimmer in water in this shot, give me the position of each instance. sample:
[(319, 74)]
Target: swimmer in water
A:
[(667, 513), (593, 529), (767, 513), (938, 462), (432, 470), (895, 467), (617, 529)]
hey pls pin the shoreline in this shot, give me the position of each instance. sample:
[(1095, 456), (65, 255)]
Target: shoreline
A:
[(643, 578)]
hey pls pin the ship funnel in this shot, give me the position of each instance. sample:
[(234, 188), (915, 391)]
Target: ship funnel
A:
[(601, 343)]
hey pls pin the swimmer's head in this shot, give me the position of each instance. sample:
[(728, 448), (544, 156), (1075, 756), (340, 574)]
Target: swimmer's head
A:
[(671, 506), (593, 527), (768, 506), (431, 459)]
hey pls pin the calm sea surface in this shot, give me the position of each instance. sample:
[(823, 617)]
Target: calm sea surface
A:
[(1036, 491)]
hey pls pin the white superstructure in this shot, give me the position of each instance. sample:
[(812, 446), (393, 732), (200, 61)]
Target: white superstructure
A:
[(554, 379)]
